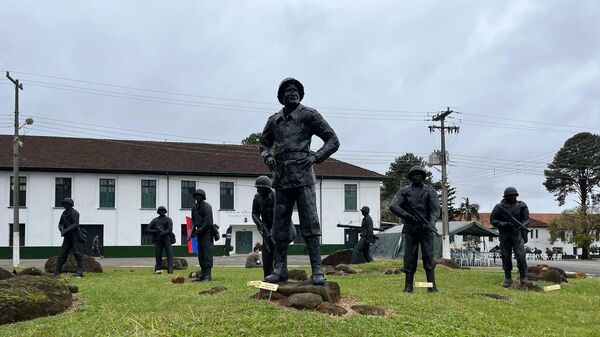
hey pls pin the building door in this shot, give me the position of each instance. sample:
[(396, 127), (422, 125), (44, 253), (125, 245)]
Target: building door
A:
[(243, 242), (350, 237), (92, 231)]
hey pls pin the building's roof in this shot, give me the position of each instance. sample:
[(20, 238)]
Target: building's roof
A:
[(536, 220), (41, 153)]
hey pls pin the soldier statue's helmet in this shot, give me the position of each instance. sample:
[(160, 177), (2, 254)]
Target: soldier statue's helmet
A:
[(262, 181), (365, 209), (416, 169), (68, 201), (199, 192), (161, 208), (287, 81), (510, 191)]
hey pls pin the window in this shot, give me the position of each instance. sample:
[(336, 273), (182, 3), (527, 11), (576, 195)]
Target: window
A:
[(350, 202), (148, 193), (226, 195), (451, 238), (21, 235), (536, 233), (146, 238), (531, 235), (22, 191), (490, 239), (107, 193), (187, 193), (62, 189)]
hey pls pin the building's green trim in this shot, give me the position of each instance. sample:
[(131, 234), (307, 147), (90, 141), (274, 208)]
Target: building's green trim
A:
[(145, 251)]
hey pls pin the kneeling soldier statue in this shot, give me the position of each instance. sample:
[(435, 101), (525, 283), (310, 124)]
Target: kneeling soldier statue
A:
[(73, 237), (419, 206), (511, 217)]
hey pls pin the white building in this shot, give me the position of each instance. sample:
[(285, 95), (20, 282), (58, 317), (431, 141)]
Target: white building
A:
[(118, 184)]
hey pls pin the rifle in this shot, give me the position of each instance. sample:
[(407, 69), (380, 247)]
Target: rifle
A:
[(516, 222), (408, 208), (375, 237), (267, 237)]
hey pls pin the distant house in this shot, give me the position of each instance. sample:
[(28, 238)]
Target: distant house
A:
[(118, 184)]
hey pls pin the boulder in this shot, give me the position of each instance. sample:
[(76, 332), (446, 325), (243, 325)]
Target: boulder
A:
[(4, 274), (263, 294), (398, 270), (329, 292), (346, 269), (546, 273), (371, 310), (389, 271), (554, 276), (212, 290), (27, 297), (297, 275), (90, 265), (31, 271), (73, 288), (529, 286), (178, 263), (302, 301), (448, 263), (580, 274), (343, 256), (331, 309)]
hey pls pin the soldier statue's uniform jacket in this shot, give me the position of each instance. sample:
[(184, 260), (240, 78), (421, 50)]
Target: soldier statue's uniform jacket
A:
[(202, 221), (161, 228), (288, 139), (423, 200), (363, 245), (366, 228), (69, 223), (500, 219)]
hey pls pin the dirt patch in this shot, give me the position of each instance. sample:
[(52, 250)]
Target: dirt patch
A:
[(493, 296)]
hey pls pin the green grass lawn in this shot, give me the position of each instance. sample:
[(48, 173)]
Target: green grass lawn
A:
[(121, 302)]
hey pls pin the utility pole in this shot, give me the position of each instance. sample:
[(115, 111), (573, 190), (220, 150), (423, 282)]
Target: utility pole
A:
[(440, 117), (16, 183)]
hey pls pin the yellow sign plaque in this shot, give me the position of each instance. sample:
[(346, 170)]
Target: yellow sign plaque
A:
[(268, 286), (253, 283), (552, 287), (424, 284)]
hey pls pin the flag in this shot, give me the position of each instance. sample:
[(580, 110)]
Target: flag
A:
[(192, 246)]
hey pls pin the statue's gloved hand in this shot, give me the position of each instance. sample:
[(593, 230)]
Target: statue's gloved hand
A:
[(308, 161)]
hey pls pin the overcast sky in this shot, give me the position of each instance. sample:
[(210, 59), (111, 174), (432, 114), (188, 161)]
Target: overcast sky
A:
[(525, 76)]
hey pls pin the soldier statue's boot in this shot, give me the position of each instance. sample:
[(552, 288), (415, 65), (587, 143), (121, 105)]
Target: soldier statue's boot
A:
[(280, 274), (314, 255), (207, 276), (200, 275), (507, 279), (408, 282), (431, 278), (523, 277)]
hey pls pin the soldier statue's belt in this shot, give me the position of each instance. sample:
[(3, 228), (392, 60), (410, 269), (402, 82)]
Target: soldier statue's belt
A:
[(291, 155)]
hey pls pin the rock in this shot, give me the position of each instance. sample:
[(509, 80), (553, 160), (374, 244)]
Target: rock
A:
[(73, 288), (537, 269), (4, 274), (212, 290), (389, 271), (26, 297), (343, 267), (529, 286), (547, 273), (341, 257), (302, 301), (370, 310), (580, 274), (263, 294), (398, 271), (178, 280), (495, 296), (297, 274), (31, 271), (552, 275), (329, 292), (89, 265), (194, 274), (532, 277), (331, 309), (334, 272), (178, 263)]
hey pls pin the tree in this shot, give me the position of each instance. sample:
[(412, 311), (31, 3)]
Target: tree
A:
[(252, 139), (577, 227), (467, 210), (452, 211), (575, 169)]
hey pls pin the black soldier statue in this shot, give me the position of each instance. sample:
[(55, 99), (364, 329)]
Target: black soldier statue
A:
[(366, 237), (203, 229), (161, 229), (419, 206), (263, 209), (511, 217), (285, 148), (73, 238)]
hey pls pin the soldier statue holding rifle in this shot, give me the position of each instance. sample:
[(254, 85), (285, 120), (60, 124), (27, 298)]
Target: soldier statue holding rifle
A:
[(419, 206)]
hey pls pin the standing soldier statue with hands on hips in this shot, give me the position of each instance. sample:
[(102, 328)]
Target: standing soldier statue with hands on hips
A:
[(511, 217), (419, 206), (203, 229), (73, 237), (161, 229), (263, 209), (366, 237), (285, 149)]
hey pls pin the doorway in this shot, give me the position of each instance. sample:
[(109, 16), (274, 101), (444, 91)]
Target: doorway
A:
[(243, 242)]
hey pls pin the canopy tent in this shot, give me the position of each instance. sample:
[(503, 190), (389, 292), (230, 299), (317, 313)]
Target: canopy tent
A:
[(391, 246)]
